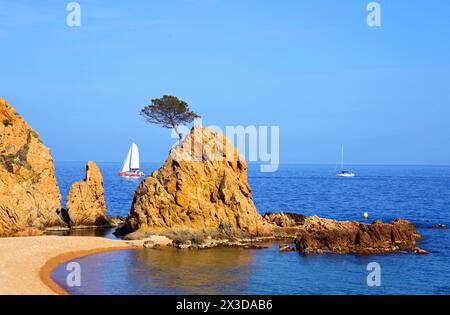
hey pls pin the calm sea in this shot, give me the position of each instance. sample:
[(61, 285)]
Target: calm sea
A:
[(418, 193)]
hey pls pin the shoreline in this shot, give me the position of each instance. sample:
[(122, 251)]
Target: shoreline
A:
[(27, 263), (45, 274)]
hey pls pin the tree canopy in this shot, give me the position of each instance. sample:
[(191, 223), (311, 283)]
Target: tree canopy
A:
[(169, 112)]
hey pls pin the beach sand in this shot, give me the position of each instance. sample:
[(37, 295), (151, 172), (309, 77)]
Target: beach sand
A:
[(26, 263)]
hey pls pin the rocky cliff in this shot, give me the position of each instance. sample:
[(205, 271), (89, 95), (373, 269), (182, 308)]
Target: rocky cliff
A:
[(29, 194), (202, 187), (86, 202)]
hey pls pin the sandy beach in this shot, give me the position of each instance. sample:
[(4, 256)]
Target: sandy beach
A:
[(26, 263)]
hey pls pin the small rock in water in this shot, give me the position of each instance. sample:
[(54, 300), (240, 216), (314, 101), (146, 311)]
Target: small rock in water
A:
[(440, 226), (420, 251), (149, 244), (182, 244), (287, 248)]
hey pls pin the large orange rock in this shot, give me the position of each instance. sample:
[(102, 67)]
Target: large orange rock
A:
[(29, 193), (86, 201), (202, 186)]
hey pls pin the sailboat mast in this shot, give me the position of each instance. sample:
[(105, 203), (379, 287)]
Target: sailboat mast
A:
[(342, 157)]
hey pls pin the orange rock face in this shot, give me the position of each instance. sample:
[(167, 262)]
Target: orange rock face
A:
[(202, 185), (86, 201), (29, 193), (319, 234)]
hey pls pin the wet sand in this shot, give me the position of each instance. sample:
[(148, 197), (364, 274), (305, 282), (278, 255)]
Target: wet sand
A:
[(26, 263)]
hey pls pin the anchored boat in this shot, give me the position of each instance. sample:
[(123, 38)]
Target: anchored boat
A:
[(130, 167), (343, 172)]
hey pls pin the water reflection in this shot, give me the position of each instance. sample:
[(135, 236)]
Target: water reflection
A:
[(165, 271), (98, 232), (209, 271)]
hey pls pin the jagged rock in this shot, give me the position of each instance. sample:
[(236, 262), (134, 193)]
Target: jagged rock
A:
[(354, 237), (86, 201), (282, 219), (202, 186), (29, 193)]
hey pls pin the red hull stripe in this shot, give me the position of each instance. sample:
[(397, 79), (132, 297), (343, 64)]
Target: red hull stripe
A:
[(131, 174)]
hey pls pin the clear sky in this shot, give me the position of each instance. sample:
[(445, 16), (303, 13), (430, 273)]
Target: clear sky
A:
[(312, 67)]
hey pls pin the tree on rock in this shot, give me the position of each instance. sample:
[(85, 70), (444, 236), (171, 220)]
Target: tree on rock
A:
[(169, 112)]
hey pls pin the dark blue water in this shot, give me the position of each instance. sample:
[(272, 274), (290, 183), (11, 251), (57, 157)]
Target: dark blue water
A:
[(418, 193)]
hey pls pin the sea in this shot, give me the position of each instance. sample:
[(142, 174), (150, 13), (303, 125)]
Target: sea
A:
[(420, 194)]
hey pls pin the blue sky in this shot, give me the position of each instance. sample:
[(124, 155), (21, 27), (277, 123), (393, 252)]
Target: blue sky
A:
[(312, 67)]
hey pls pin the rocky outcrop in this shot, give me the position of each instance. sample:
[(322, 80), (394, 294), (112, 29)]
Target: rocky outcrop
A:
[(284, 220), (201, 198), (319, 234), (202, 187), (86, 202), (29, 193)]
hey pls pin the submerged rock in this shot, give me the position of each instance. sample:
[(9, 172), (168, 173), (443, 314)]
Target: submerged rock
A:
[(29, 193), (86, 201), (440, 226), (420, 251), (202, 189)]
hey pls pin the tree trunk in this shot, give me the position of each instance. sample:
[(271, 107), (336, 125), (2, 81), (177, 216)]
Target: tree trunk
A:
[(180, 135)]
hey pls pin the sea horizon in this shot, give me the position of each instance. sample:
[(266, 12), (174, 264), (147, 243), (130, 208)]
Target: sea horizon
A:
[(288, 163)]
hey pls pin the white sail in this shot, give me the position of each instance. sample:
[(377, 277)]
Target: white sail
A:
[(126, 164), (134, 162)]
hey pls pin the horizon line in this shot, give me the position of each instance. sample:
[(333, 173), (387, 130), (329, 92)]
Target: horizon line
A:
[(262, 163)]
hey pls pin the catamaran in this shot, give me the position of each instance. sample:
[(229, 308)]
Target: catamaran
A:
[(130, 167), (343, 172)]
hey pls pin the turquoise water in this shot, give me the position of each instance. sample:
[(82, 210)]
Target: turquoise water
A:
[(418, 193)]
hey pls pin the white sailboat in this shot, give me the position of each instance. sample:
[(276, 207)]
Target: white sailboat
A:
[(343, 172), (130, 167)]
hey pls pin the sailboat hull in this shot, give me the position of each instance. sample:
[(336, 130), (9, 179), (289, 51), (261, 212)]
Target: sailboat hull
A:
[(345, 175), (131, 174)]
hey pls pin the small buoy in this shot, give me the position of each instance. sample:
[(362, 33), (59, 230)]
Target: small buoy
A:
[(366, 215)]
